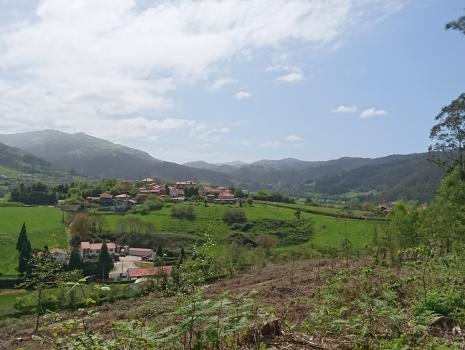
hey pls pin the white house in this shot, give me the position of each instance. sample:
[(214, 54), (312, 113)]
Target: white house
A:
[(60, 255), (92, 250)]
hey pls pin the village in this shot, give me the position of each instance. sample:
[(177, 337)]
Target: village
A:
[(136, 264), (177, 192)]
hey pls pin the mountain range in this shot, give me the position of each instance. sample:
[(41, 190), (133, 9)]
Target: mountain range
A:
[(397, 176)]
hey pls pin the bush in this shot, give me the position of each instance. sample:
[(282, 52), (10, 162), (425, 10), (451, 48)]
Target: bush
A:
[(449, 304), (153, 204), (183, 212), (232, 216)]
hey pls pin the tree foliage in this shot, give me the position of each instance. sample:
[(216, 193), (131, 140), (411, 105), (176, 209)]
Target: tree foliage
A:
[(105, 262), (21, 238), (448, 135)]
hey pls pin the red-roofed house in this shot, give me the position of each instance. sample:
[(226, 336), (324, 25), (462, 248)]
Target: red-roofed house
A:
[(225, 198), (135, 273), (140, 252), (92, 250)]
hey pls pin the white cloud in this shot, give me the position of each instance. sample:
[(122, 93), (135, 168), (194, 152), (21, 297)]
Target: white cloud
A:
[(344, 109), (221, 82), (243, 95), (292, 77), (270, 144), (372, 112), (99, 65), (293, 138)]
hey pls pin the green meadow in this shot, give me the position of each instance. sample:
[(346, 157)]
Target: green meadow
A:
[(44, 227), (328, 231)]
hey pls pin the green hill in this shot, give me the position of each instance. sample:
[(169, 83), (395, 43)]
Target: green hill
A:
[(93, 157)]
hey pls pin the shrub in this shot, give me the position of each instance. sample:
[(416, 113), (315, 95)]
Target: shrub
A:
[(267, 242), (154, 204), (185, 212), (232, 216), (450, 304)]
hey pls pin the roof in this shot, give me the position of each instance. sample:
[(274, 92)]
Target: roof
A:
[(58, 251), (97, 246), (226, 195), (106, 195), (148, 180), (141, 250), (123, 195), (151, 271)]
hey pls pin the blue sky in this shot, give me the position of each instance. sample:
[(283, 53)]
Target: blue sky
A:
[(222, 81)]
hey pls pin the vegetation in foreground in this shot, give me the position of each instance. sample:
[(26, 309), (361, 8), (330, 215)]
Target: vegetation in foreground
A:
[(406, 294)]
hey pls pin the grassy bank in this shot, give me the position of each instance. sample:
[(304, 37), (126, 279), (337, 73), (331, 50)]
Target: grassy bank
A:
[(44, 227)]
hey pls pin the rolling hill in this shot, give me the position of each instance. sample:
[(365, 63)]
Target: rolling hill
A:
[(18, 160), (388, 178), (89, 156)]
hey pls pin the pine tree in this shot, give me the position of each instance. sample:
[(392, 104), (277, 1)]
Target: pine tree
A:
[(74, 262), (24, 257), (182, 256), (105, 262), (160, 251), (21, 238), (183, 253)]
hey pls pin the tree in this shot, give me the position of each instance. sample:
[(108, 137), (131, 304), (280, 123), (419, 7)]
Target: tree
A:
[(21, 238), (401, 230), (105, 262), (75, 262), (24, 257), (448, 136), (444, 219), (267, 242), (44, 273), (232, 216), (81, 226), (458, 24), (298, 214)]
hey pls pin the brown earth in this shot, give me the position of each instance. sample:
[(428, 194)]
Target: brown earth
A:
[(283, 289)]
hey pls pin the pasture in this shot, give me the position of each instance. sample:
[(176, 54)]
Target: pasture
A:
[(44, 227), (328, 231)]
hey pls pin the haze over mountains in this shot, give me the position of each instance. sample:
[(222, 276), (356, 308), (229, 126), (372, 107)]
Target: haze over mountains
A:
[(392, 177)]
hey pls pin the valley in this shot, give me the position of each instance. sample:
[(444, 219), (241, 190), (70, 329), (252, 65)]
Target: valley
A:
[(232, 175)]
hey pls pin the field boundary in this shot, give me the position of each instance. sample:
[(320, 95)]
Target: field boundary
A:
[(322, 213)]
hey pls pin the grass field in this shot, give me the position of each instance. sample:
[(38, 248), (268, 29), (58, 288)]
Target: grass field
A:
[(9, 297), (322, 210), (44, 227), (328, 231)]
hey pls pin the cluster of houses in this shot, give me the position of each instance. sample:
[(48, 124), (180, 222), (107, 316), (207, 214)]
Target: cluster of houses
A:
[(148, 186), (90, 252)]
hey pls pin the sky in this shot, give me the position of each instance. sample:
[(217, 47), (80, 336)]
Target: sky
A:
[(234, 79)]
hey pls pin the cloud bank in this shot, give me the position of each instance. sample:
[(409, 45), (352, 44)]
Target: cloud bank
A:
[(112, 67)]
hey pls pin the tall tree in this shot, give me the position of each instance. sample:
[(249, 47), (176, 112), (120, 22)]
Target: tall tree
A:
[(105, 262), (24, 257), (82, 226), (21, 238), (75, 262), (448, 136)]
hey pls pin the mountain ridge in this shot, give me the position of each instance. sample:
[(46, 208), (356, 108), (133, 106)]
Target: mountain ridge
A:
[(411, 176)]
